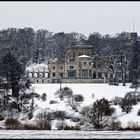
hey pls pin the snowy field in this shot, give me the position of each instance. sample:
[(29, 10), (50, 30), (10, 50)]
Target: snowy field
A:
[(87, 90), (99, 90), (44, 134)]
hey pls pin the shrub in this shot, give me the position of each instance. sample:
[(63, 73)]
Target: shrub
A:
[(1, 117), (138, 112), (75, 119), (44, 120), (92, 95), (100, 113), (116, 100), (126, 105), (44, 97), (76, 127), (53, 102), (30, 127), (132, 126), (84, 110), (65, 92), (43, 124), (60, 125), (78, 98), (12, 123), (30, 115), (58, 114)]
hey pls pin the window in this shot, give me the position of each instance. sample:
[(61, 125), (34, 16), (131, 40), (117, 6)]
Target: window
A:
[(94, 75), (53, 67), (71, 67), (42, 81), (89, 63), (71, 73), (99, 75), (90, 72), (80, 53), (85, 63), (61, 74), (37, 81), (84, 73), (53, 74), (61, 68), (88, 53), (111, 75)]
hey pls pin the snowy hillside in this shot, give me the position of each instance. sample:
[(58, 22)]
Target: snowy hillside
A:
[(87, 90)]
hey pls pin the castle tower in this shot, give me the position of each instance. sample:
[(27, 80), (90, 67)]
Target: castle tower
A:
[(134, 57)]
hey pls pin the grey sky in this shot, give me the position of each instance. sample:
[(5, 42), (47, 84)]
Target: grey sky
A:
[(84, 17)]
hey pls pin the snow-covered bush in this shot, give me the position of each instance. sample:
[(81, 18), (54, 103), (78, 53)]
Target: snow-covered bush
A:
[(126, 105), (58, 114), (138, 112), (53, 102), (73, 104), (65, 92), (100, 114), (78, 98), (116, 101), (84, 110), (44, 97), (75, 127), (43, 120), (11, 123), (60, 125), (134, 97), (92, 95), (75, 119)]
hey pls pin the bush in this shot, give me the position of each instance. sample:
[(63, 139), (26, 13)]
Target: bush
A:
[(76, 127), (78, 98), (30, 127), (134, 97), (65, 92), (132, 126), (43, 124), (44, 120), (116, 100), (92, 95), (60, 125), (58, 114), (75, 119), (53, 102), (84, 110), (44, 97), (100, 113), (138, 112), (1, 117), (126, 105), (12, 123), (115, 125)]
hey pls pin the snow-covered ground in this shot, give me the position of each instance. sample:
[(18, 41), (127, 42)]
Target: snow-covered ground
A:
[(44, 134), (87, 90)]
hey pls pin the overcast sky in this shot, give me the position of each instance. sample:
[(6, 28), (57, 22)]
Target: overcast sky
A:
[(84, 17)]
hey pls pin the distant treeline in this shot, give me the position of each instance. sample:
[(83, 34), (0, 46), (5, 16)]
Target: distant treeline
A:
[(39, 46)]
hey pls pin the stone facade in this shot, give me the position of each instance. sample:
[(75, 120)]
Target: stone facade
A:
[(79, 65)]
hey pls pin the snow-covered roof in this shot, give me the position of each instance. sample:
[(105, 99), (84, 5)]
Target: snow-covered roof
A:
[(36, 67), (84, 56)]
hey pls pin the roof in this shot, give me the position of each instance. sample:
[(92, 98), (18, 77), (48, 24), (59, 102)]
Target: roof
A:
[(82, 46), (84, 56)]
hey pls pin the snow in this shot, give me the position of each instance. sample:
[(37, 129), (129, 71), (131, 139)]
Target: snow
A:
[(87, 90), (37, 67), (91, 92), (83, 56), (44, 134)]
